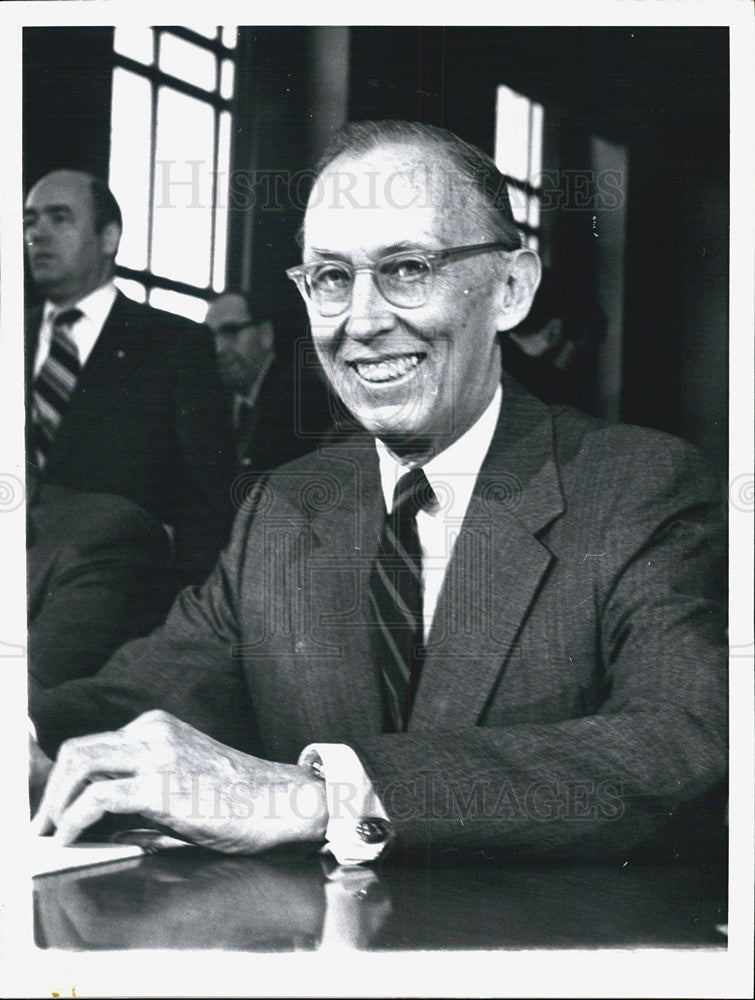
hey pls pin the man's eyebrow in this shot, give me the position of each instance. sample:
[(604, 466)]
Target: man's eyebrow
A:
[(381, 251), (322, 252), (233, 325), (48, 209)]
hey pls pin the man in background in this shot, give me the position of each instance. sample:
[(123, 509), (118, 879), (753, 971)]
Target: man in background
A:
[(121, 398), (279, 407), (553, 351)]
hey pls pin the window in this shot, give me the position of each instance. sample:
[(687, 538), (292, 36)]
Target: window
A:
[(519, 157), (170, 160)]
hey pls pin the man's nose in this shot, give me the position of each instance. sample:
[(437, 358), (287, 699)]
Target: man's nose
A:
[(370, 314), (223, 343), (36, 232)]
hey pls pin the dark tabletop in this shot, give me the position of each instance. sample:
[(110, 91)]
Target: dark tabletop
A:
[(295, 899)]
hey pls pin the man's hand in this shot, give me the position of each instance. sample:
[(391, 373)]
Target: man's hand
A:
[(172, 774), (40, 766)]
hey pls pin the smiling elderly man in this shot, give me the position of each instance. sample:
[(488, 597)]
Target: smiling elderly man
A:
[(485, 623)]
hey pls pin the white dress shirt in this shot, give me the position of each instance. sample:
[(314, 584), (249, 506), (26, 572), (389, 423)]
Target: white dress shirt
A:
[(95, 309), (452, 474)]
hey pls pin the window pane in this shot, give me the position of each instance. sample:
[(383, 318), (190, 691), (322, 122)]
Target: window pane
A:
[(186, 61), (512, 133), (226, 79), (138, 43), (178, 303), (221, 211), (208, 30), (130, 161), (229, 37), (518, 203), (183, 188), (134, 289), (533, 216), (536, 145)]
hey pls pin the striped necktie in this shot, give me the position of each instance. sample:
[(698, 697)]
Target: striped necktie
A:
[(55, 383), (396, 594)]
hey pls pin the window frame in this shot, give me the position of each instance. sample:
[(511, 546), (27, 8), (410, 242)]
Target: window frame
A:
[(158, 78), (524, 184)]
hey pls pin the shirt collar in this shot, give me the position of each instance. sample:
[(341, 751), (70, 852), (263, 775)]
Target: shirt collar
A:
[(460, 461), (95, 306), (250, 396)]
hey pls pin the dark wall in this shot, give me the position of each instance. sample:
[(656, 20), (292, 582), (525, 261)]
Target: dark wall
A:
[(663, 94), (278, 108), (270, 150), (67, 90)]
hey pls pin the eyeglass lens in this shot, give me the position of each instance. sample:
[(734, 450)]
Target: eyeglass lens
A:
[(403, 280)]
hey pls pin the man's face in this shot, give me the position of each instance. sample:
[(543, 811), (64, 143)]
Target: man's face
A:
[(67, 257), (241, 346), (417, 378)]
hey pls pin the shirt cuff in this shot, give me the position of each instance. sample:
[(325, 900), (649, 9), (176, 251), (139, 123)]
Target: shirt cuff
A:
[(358, 827)]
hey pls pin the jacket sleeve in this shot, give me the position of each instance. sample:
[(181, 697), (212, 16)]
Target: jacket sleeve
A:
[(186, 666), (609, 780), (113, 586)]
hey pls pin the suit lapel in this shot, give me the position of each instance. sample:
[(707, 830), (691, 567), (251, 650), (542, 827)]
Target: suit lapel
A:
[(247, 443), (496, 566), (31, 339), (111, 349), (343, 690), (246, 433), (32, 322)]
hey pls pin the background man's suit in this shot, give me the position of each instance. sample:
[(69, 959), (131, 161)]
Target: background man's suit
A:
[(289, 417), (147, 421), (100, 572), (574, 691)]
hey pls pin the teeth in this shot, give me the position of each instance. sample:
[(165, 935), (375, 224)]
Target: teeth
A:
[(386, 371)]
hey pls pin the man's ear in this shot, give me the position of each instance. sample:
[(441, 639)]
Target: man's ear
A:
[(110, 237), (518, 291)]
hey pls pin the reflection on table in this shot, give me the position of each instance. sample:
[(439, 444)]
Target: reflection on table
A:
[(292, 899)]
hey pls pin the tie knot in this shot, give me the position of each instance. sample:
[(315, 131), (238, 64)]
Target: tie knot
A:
[(67, 318), (413, 490)]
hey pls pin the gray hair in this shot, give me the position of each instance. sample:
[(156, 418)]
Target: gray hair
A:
[(492, 208)]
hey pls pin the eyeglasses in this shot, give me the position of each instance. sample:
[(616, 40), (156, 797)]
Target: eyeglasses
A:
[(231, 328), (405, 279)]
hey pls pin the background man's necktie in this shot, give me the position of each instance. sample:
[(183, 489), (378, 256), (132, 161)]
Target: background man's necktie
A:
[(396, 593), (55, 383)]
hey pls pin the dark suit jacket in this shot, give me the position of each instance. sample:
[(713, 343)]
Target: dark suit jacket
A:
[(100, 572), (289, 418), (574, 691), (147, 421)]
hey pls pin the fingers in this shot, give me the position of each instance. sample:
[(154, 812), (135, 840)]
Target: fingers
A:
[(121, 795), (79, 763), (169, 772), (140, 747), (41, 824)]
